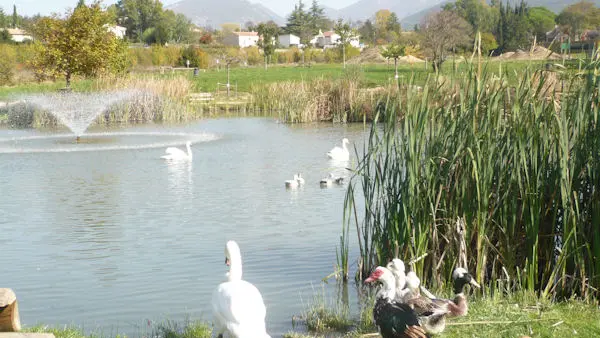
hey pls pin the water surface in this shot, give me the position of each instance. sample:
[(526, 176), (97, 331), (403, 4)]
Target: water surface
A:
[(107, 236)]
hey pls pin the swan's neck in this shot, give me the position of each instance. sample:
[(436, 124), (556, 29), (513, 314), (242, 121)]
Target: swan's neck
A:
[(235, 269), (344, 146), (189, 150)]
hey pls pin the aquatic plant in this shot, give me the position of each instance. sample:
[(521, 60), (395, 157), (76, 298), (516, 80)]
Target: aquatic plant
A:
[(503, 179)]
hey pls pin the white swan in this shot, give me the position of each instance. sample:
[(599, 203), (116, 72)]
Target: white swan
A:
[(238, 307), (293, 183), (340, 154), (330, 180), (173, 153), (300, 179)]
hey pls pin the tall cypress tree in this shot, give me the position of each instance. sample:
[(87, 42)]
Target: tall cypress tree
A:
[(15, 17)]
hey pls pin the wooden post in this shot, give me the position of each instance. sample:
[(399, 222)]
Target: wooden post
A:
[(9, 311)]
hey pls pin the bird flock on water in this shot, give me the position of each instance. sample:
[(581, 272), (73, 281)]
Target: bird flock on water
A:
[(338, 154)]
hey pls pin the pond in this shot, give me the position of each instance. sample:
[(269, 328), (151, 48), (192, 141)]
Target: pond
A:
[(107, 236)]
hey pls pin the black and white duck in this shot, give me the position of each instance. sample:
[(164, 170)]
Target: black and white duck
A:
[(393, 319)]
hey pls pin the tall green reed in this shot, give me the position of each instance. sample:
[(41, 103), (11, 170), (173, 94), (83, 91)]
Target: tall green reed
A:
[(517, 165)]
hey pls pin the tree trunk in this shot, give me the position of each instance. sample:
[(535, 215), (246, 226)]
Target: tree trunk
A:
[(68, 79), (265, 61), (9, 311), (344, 54)]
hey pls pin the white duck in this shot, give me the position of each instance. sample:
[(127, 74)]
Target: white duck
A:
[(293, 183), (173, 153), (396, 266), (330, 180), (238, 307), (340, 154)]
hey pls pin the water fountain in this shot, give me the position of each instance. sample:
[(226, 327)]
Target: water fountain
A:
[(78, 110)]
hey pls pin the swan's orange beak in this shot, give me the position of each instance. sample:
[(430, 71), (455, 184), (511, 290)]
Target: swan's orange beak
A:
[(227, 261)]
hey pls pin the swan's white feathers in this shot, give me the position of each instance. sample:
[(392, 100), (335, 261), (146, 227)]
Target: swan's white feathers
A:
[(340, 153)]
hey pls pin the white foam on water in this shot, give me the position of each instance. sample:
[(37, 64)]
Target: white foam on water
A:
[(8, 146)]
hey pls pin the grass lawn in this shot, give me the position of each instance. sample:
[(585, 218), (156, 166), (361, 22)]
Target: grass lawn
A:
[(372, 74), (520, 315)]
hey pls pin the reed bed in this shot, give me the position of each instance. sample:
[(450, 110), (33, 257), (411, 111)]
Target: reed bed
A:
[(342, 100), (503, 180)]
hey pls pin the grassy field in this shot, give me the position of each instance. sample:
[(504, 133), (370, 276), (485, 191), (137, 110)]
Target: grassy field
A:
[(518, 315), (373, 75)]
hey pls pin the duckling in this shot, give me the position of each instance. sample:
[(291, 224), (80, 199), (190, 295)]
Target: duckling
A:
[(300, 179), (330, 180), (396, 266)]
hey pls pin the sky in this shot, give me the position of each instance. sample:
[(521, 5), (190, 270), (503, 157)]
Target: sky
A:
[(46, 7)]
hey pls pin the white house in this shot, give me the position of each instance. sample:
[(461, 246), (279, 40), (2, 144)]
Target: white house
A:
[(241, 39), (330, 39), (119, 31), (18, 35), (288, 40)]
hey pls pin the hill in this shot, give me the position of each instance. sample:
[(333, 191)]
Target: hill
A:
[(408, 22), (364, 9), (215, 12)]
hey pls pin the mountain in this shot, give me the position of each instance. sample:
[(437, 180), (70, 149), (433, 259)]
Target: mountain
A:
[(364, 9), (215, 12), (408, 22)]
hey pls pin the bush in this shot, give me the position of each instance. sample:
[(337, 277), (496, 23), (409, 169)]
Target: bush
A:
[(8, 62), (197, 57)]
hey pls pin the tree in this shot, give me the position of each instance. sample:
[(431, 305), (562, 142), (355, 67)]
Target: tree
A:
[(578, 17), (393, 27), (542, 20), (138, 16), (346, 33), (268, 33), (441, 33), (77, 45), (367, 32), (394, 51), (317, 17), (80, 3), (514, 29), (299, 23), (382, 18), (478, 13), (15, 17)]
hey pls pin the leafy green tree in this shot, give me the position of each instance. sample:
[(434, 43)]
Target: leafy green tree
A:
[(488, 43), (394, 51), (393, 27), (478, 13), (139, 15), (541, 20), (346, 33), (441, 33), (268, 32), (578, 17), (367, 32), (80, 3), (382, 18), (77, 45)]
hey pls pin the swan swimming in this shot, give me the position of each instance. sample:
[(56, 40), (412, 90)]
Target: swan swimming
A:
[(238, 307), (330, 180), (173, 153), (340, 154), (293, 183)]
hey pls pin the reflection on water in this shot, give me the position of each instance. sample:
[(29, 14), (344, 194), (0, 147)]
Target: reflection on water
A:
[(122, 236)]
